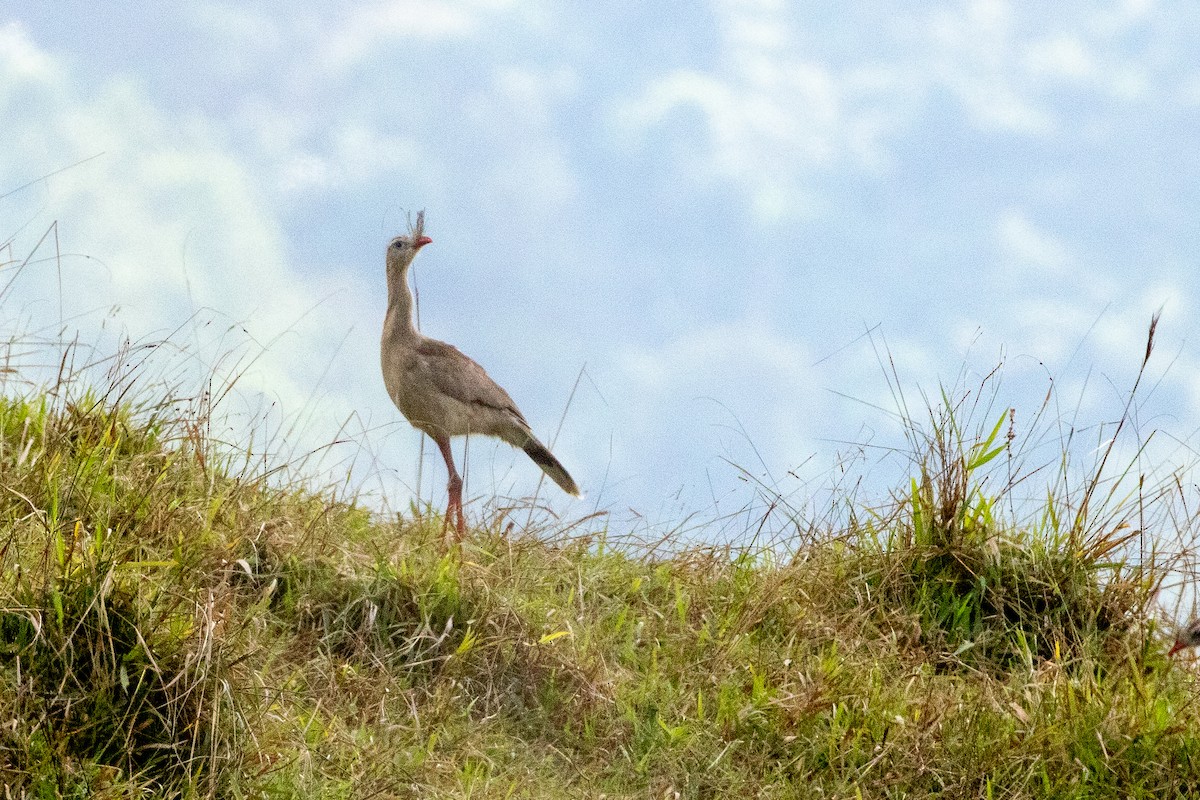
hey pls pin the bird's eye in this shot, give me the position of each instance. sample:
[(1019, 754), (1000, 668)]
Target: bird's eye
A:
[(398, 244)]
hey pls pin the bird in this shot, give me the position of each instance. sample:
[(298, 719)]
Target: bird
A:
[(1188, 636), (441, 391)]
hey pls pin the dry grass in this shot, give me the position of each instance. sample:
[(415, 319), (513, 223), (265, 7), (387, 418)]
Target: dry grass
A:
[(172, 624), (171, 628)]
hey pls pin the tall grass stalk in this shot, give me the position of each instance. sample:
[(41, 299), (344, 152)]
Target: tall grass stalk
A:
[(178, 621)]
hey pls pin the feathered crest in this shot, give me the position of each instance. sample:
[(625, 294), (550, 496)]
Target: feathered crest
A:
[(416, 231)]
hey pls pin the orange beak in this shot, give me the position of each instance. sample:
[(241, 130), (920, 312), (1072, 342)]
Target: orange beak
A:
[(424, 240), (1175, 648)]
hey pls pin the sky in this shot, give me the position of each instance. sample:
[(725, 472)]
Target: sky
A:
[(699, 243)]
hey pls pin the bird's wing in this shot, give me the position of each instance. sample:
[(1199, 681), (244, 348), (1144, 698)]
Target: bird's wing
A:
[(456, 375)]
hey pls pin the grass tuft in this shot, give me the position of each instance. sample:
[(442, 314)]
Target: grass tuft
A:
[(173, 623)]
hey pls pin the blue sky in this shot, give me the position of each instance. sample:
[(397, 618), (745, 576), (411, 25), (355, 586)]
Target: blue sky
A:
[(703, 206)]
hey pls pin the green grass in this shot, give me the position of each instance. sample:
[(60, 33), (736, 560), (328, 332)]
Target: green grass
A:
[(173, 625)]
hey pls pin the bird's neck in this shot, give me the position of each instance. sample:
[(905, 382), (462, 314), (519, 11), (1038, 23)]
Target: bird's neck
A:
[(399, 320)]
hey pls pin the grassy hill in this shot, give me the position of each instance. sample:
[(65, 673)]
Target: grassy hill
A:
[(173, 625)]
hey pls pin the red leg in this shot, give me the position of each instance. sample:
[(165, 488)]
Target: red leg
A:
[(454, 507)]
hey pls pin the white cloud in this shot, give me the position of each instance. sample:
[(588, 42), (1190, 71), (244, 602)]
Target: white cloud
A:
[(538, 93), (356, 153), (971, 52), (721, 389), (20, 58), (1030, 249), (186, 210), (767, 126), (1063, 57), (172, 218), (775, 113), (1067, 60), (242, 29), (166, 220), (746, 346), (772, 115), (397, 22), (517, 114)]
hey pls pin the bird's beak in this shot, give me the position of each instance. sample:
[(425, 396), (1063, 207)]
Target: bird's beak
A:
[(1175, 648), (422, 241)]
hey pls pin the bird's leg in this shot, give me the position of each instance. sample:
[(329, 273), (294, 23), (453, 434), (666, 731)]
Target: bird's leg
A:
[(454, 507)]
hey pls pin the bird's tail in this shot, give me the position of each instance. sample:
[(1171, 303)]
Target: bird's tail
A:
[(549, 464)]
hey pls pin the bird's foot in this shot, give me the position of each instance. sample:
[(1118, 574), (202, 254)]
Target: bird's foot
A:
[(454, 511)]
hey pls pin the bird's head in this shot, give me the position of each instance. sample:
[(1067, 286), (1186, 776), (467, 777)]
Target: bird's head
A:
[(1187, 637), (403, 249)]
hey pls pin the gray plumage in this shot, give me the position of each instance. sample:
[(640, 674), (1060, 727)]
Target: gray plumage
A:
[(440, 390)]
